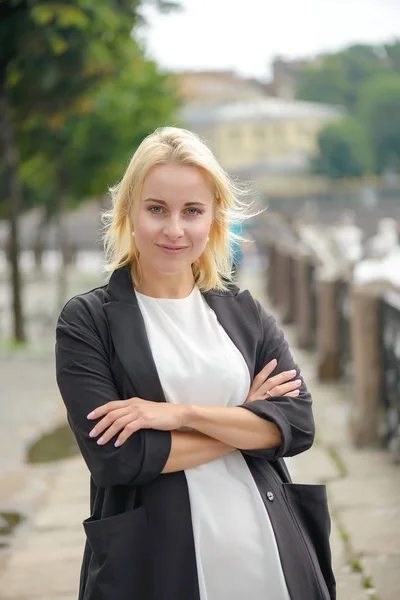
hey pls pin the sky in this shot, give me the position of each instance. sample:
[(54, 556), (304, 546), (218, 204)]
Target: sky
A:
[(245, 35)]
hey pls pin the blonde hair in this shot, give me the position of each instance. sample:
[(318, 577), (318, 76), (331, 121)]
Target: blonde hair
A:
[(212, 270)]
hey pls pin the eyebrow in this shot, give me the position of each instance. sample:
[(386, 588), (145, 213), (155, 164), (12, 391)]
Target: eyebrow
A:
[(165, 203)]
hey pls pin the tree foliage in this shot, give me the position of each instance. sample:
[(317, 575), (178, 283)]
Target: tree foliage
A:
[(92, 93), (76, 93), (343, 150), (380, 115), (366, 80), (338, 78)]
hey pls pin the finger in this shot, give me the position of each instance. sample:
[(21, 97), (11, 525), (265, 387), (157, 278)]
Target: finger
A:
[(108, 420), (129, 430), (106, 408), (115, 428), (281, 390), (293, 394), (281, 378), (265, 372)]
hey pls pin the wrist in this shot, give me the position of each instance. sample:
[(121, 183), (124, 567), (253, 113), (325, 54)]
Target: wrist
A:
[(193, 415)]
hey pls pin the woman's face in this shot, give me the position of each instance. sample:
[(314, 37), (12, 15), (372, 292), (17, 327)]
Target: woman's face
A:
[(172, 218)]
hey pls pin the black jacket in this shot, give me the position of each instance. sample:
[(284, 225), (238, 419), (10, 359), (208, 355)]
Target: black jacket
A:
[(139, 535)]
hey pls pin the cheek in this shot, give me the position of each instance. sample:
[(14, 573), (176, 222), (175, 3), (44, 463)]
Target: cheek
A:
[(201, 229), (146, 227)]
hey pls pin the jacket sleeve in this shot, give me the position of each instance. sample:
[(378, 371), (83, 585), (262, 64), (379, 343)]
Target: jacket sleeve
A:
[(85, 381), (292, 416)]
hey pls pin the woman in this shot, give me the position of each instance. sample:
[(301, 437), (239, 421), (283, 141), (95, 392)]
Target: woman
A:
[(183, 397)]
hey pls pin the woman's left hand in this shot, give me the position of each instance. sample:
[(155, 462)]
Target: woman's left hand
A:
[(128, 416)]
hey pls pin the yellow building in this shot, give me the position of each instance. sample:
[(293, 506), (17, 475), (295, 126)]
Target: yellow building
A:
[(214, 87), (262, 137)]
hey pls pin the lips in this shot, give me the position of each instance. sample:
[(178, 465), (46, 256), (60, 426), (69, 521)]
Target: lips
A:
[(172, 249)]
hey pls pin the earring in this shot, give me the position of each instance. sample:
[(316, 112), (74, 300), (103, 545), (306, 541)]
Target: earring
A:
[(208, 239), (133, 234)]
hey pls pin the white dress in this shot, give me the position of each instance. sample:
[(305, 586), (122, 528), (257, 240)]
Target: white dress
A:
[(236, 552)]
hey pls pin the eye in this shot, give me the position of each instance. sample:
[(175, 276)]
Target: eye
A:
[(195, 212), (156, 209)]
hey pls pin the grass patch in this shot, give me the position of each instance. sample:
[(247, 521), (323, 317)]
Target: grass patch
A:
[(337, 459), (12, 346), (355, 566), (368, 586), (8, 521), (55, 445), (344, 535)]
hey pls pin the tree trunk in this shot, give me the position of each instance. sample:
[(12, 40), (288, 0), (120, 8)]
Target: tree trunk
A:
[(39, 242), (60, 195), (10, 156)]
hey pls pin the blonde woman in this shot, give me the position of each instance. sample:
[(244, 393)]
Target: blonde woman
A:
[(184, 399)]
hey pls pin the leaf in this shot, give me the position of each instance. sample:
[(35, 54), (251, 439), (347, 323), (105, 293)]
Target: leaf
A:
[(58, 44), (61, 14)]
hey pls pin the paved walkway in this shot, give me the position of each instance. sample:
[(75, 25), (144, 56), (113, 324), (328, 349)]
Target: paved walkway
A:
[(363, 487)]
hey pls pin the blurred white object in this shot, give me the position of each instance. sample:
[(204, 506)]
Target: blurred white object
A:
[(385, 269), (348, 239), (385, 240)]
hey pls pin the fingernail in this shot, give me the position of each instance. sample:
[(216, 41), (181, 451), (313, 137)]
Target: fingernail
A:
[(92, 433), (297, 381), (274, 361), (100, 441), (90, 415), (117, 443), (295, 393), (292, 371)]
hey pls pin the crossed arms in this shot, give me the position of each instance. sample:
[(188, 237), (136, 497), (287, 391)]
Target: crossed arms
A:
[(148, 433)]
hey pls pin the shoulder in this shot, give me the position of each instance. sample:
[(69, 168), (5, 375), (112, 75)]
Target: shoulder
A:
[(242, 302), (265, 319), (85, 306), (251, 304)]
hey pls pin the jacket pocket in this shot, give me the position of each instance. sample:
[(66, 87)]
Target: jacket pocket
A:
[(308, 505), (120, 566)]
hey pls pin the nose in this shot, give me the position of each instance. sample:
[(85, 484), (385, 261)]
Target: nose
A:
[(173, 229)]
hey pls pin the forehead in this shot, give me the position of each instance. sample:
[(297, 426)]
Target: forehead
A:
[(172, 183)]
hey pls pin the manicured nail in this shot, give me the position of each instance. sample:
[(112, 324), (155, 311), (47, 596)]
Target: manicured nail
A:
[(100, 441), (92, 433), (90, 415), (295, 393), (292, 372), (274, 361), (117, 443)]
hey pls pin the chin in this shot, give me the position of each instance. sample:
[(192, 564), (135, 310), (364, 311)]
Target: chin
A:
[(169, 269)]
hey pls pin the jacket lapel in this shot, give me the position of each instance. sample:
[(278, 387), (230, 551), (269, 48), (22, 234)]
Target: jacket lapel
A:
[(129, 337), (232, 312)]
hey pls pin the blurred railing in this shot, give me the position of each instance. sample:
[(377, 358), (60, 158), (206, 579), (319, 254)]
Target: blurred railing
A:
[(354, 329), (343, 306), (390, 315), (312, 282)]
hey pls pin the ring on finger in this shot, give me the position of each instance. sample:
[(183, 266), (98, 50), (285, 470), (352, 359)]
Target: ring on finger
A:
[(269, 394)]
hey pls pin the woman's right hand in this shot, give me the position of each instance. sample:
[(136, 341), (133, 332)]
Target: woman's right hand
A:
[(265, 386)]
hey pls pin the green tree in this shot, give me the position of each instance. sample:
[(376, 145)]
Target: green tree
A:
[(323, 83), (52, 54), (124, 111), (393, 56), (380, 114), (337, 78), (343, 150), (92, 147)]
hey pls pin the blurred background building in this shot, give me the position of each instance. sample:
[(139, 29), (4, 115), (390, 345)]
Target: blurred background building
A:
[(266, 139)]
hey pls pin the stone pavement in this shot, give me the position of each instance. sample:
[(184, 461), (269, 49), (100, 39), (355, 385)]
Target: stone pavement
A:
[(363, 489)]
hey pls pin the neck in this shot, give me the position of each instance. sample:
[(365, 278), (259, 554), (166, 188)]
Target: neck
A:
[(159, 285)]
